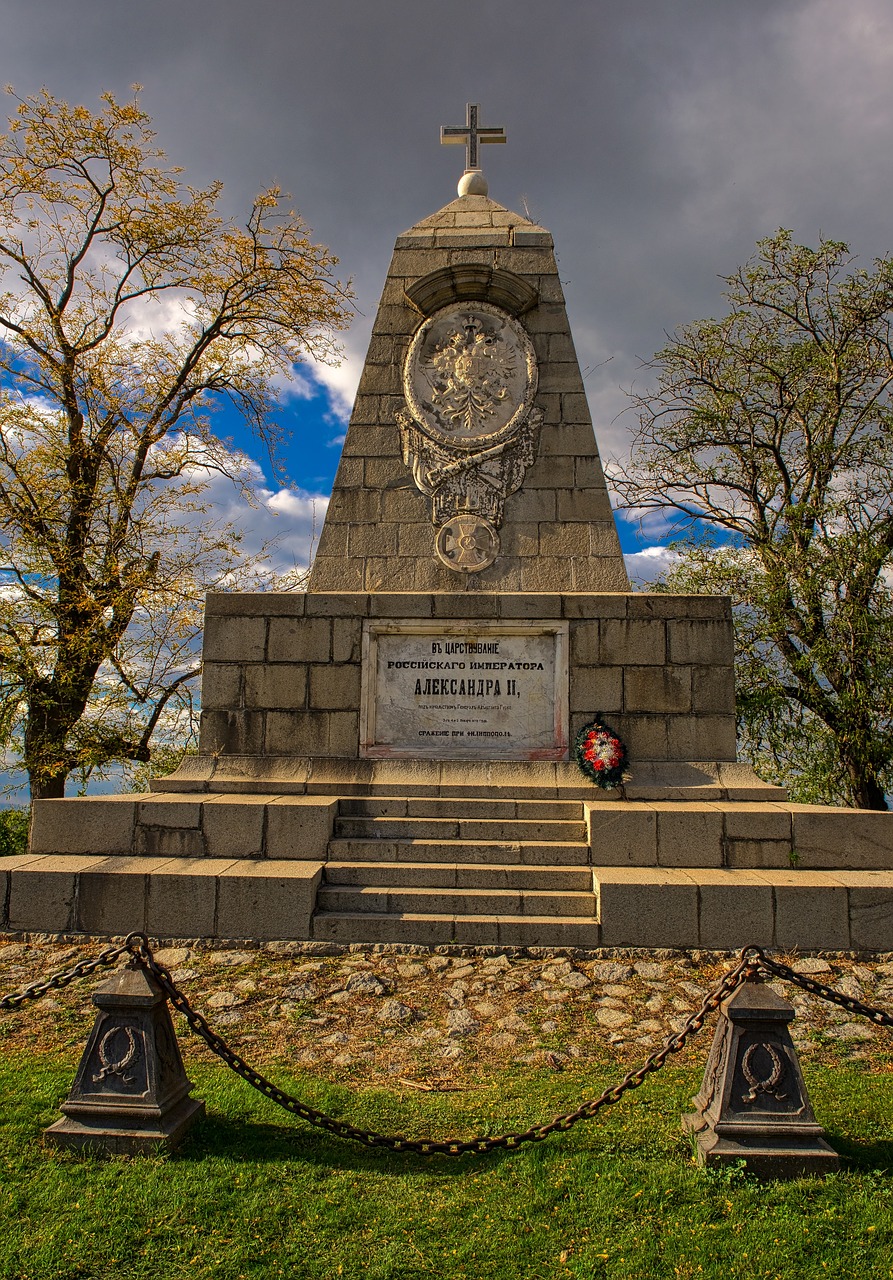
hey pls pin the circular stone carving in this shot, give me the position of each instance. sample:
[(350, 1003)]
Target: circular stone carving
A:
[(470, 376), (467, 544)]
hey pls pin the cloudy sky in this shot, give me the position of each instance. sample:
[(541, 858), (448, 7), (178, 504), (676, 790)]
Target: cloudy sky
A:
[(656, 139)]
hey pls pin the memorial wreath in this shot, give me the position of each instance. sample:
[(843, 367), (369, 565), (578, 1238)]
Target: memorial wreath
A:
[(600, 754)]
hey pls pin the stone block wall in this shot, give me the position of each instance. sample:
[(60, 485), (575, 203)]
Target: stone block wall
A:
[(738, 836), (165, 897), (282, 671), (793, 909), (157, 825)]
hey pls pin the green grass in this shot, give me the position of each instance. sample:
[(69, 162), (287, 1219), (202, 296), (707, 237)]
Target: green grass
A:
[(253, 1193)]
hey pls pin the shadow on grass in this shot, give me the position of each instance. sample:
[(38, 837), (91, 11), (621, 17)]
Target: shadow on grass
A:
[(861, 1156), (253, 1141), (248, 1141)]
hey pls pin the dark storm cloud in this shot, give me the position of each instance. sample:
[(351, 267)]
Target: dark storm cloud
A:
[(656, 140)]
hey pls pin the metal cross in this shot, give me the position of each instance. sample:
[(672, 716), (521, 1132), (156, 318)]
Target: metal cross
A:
[(472, 135)]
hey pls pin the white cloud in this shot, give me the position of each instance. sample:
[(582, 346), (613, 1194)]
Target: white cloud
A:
[(286, 521), (645, 566), (156, 314), (153, 316), (300, 386), (290, 519), (340, 381), (656, 526), (42, 406)]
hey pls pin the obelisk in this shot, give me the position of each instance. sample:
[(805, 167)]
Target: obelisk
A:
[(470, 462)]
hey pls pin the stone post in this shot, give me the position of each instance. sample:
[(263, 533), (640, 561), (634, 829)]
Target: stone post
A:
[(753, 1105), (131, 1093)]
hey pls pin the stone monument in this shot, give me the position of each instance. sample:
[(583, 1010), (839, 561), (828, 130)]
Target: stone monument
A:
[(387, 757)]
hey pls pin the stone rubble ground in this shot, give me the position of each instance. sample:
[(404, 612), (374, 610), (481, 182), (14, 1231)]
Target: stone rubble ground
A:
[(434, 1016)]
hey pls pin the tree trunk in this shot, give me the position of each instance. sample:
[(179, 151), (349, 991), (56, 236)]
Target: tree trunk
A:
[(867, 793), (46, 757), (48, 788), (858, 751)]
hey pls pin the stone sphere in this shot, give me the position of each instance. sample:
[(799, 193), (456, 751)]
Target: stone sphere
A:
[(473, 183)]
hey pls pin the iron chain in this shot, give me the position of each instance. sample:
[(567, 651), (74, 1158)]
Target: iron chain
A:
[(751, 961), (56, 981), (825, 993), (479, 1145)]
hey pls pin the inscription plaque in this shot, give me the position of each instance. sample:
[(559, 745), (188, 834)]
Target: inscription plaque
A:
[(460, 690)]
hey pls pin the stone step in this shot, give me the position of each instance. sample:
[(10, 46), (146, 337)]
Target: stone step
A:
[(487, 829), (461, 807), (466, 930), (449, 875), (564, 791), (794, 909), (427, 779), (530, 852), (353, 899)]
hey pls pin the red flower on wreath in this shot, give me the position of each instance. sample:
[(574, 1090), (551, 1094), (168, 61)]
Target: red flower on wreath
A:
[(600, 754)]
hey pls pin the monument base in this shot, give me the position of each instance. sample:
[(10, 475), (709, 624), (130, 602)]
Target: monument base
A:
[(812, 1158), (392, 768), (101, 1135), (504, 853)]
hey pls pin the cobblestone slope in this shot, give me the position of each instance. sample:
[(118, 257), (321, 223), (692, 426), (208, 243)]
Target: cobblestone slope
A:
[(435, 1017)]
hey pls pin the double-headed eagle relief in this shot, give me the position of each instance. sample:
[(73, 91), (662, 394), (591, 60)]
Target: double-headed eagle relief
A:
[(469, 371), (471, 432)]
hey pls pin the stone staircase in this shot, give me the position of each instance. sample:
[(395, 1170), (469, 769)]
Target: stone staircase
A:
[(437, 852), (477, 871)]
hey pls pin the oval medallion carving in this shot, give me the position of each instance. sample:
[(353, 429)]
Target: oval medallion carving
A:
[(470, 375)]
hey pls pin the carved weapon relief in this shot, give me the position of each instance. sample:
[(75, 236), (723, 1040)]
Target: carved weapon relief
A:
[(471, 432)]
